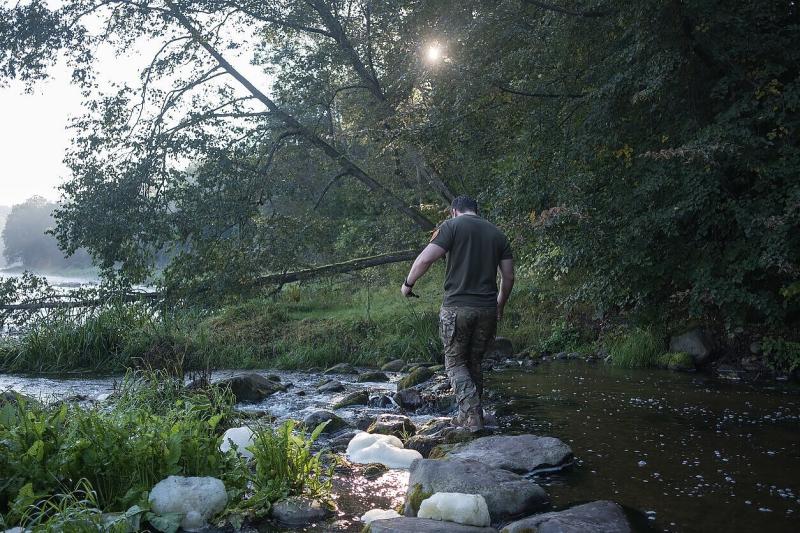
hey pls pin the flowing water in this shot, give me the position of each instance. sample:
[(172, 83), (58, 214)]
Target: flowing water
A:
[(690, 453)]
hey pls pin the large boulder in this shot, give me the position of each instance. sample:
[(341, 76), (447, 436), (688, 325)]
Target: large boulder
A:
[(251, 387), (595, 517), (196, 498), (696, 343), (522, 454), (394, 366), (423, 525), (421, 374), (389, 424), (316, 418), (300, 511), (507, 495), (341, 368)]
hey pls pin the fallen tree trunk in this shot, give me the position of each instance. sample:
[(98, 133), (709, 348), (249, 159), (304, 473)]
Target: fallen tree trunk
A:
[(269, 279)]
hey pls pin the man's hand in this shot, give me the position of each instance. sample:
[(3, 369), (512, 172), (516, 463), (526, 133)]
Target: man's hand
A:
[(405, 290)]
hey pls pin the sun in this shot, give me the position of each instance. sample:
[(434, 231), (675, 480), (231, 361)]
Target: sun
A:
[(433, 53)]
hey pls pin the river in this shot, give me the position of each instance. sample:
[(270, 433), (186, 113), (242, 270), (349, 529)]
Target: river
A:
[(690, 453)]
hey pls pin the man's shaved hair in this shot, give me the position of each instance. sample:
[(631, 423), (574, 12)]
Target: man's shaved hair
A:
[(464, 203)]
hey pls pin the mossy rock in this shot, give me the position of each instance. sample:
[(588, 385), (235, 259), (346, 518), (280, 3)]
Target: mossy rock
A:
[(394, 366), (341, 368), (374, 470), (679, 361), (419, 375), (354, 398), (372, 377), (416, 497)]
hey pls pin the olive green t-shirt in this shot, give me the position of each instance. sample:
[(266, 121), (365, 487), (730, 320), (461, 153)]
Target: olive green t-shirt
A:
[(475, 248)]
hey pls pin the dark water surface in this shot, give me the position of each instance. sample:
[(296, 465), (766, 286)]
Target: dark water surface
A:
[(694, 453)]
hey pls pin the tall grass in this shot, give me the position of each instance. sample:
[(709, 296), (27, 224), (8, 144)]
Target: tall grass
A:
[(637, 348)]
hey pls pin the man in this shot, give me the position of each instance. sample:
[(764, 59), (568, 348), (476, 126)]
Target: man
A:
[(472, 305)]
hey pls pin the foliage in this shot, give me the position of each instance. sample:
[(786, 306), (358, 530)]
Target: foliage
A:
[(781, 355), (636, 348)]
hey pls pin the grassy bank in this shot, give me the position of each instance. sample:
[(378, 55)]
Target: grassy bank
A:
[(63, 465)]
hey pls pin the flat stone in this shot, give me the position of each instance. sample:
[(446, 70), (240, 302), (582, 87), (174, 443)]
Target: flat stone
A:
[(251, 387), (595, 517), (372, 377), (394, 366), (507, 495), (405, 524), (298, 511), (522, 454), (341, 368)]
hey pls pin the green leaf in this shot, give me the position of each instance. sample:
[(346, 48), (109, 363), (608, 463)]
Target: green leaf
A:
[(166, 523)]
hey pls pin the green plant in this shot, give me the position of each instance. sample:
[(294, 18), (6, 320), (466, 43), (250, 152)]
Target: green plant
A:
[(781, 355), (636, 348)]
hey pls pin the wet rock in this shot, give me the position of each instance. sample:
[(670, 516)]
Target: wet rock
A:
[(196, 498), (389, 424), (694, 342), (354, 398), (410, 399), (382, 401), (423, 525), (339, 442), (522, 454), (507, 495), (318, 417), (678, 361), (435, 425), (378, 514), (372, 377), (501, 348), (300, 511), (331, 386), (341, 368), (300, 393), (436, 368), (273, 377), (419, 375), (394, 366), (14, 397), (251, 388), (594, 517)]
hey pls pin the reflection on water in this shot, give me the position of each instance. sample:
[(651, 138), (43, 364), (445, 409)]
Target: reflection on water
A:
[(693, 453)]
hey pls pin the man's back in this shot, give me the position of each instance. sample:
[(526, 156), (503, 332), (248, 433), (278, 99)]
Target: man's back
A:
[(474, 248)]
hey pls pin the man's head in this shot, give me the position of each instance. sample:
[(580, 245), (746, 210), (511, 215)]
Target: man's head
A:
[(463, 205)]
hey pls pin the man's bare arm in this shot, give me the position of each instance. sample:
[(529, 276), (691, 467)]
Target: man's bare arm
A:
[(428, 256), (506, 284)]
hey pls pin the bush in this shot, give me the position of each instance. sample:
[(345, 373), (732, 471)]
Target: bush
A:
[(781, 355)]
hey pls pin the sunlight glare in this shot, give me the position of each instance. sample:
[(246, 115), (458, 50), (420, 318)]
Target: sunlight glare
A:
[(434, 53)]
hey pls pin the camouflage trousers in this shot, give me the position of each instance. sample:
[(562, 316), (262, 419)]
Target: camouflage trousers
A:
[(466, 334)]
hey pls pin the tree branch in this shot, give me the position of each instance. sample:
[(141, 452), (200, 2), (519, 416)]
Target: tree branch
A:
[(558, 9)]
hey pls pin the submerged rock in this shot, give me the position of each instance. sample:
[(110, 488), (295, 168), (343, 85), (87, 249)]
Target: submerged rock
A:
[(522, 454), (252, 387), (394, 366), (354, 398), (507, 495), (341, 368), (240, 438), (298, 511), (467, 509), (196, 498), (595, 517), (423, 525), (419, 375), (389, 424), (387, 450), (372, 377), (335, 423)]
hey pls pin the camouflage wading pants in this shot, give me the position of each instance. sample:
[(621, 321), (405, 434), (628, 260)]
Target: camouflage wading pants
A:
[(466, 333)]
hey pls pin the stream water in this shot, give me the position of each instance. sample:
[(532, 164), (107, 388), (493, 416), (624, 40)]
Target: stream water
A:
[(688, 452)]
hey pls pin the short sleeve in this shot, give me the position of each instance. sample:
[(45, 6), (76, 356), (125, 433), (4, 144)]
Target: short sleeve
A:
[(505, 249), (443, 236)]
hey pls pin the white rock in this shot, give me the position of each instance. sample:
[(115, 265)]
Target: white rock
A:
[(385, 449), (379, 514), (467, 509), (197, 498), (242, 437)]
